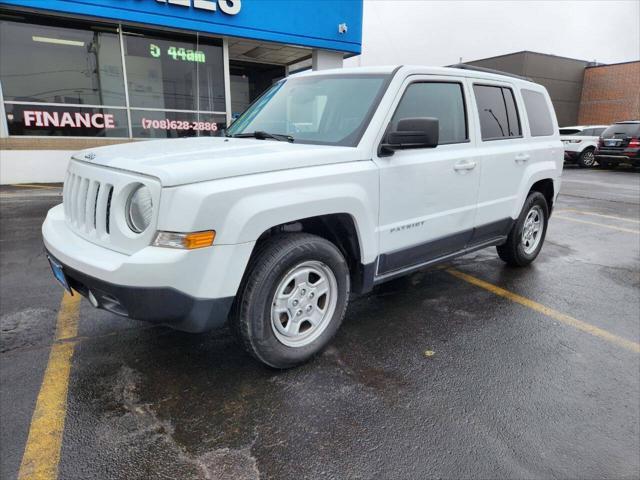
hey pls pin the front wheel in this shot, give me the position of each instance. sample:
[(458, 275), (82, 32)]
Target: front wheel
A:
[(527, 235), (293, 299)]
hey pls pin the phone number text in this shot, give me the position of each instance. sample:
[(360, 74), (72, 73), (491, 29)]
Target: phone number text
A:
[(167, 124)]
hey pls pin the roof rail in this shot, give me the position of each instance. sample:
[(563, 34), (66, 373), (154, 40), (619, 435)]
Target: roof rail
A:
[(466, 66)]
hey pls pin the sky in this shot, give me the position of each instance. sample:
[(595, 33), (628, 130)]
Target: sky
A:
[(430, 32)]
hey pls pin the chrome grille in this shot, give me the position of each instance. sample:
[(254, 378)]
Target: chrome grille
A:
[(87, 204), (93, 194)]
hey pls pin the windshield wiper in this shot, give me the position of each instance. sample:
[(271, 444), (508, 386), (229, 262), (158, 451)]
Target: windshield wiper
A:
[(261, 135)]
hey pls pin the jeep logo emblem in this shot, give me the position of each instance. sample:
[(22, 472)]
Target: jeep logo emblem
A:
[(230, 7)]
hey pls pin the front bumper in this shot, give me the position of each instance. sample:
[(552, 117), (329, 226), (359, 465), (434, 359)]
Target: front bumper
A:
[(187, 290), (158, 305)]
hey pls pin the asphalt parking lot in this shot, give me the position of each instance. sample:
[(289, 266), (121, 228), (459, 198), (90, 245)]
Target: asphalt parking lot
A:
[(472, 371)]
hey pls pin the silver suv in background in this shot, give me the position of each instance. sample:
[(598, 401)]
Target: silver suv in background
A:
[(580, 143)]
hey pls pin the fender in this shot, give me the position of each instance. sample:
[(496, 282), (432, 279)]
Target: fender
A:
[(534, 173), (240, 209)]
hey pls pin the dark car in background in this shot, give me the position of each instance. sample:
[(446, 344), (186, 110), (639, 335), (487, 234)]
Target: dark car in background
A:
[(620, 143)]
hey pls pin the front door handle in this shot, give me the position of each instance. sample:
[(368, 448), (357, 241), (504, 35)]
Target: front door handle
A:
[(522, 157), (462, 166)]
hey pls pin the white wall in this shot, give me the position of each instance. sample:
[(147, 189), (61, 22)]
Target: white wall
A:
[(326, 59), (33, 166)]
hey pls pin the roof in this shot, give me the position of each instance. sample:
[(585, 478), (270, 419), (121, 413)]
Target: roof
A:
[(420, 70)]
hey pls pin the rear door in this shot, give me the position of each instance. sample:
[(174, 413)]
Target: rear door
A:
[(503, 155)]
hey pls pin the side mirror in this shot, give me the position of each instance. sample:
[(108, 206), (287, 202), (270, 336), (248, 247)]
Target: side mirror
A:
[(412, 133)]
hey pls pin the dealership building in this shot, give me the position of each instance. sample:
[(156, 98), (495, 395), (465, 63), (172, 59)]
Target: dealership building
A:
[(582, 92), (77, 74)]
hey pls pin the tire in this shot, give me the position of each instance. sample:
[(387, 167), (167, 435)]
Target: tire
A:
[(587, 158), (291, 265), (515, 251)]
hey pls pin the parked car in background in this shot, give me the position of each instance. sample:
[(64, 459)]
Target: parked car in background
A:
[(620, 143), (580, 143)]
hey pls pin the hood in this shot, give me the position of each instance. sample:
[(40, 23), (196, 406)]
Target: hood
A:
[(190, 160)]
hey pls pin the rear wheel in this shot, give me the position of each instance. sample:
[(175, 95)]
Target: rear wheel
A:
[(293, 299), (527, 235), (587, 159)]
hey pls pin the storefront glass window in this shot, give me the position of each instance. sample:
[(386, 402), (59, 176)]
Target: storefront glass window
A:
[(68, 121), (174, 74), (67, 78), (46, 64), (156, 124)]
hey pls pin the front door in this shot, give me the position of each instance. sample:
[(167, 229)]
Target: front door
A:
[(428, 195)]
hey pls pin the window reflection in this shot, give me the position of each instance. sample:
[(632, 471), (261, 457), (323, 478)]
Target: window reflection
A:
[(66, 78), (41, 63), (174, 74)]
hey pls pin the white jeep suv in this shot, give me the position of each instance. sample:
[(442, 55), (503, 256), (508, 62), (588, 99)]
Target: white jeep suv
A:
[(330, 183), (580, 143)]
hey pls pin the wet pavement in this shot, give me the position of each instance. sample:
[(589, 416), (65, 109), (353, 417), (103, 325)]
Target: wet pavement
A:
[(504, 391)]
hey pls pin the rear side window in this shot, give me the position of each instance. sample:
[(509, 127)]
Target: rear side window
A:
[(498, 112), (598, 131), (538, 113), (441, 100)]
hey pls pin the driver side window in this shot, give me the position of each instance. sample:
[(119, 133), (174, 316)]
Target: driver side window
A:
[(441, 100)]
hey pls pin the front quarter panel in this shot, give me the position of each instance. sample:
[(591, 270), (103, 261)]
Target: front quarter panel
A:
[(240, 209)]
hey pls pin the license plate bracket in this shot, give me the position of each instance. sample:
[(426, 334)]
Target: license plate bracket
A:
[(58, 273)]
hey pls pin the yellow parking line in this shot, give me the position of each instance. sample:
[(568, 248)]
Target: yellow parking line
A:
[(42, 452), (594, 214), (620, 229), (549, 312)]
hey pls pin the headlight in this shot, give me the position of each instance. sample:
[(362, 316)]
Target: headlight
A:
[(139, 209)]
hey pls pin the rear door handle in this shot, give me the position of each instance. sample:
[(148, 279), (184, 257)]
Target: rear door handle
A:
[(466, 165), (522, 157)]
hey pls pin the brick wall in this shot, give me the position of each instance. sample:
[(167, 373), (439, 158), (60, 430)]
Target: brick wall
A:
[(610, 93)]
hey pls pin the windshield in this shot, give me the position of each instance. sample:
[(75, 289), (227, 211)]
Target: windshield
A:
[(324, 109)]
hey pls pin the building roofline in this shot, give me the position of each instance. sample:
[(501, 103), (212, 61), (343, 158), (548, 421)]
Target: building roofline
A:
[(535, 53), (613, 64)]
